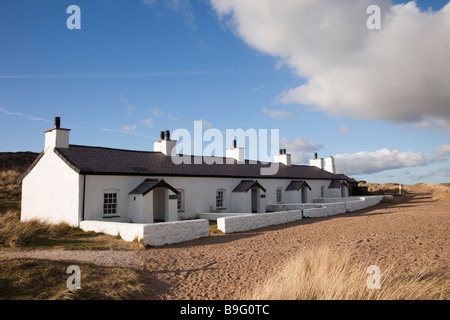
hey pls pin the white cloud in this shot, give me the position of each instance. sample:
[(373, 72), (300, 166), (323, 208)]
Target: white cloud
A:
[(147, 122), (129, 128), (19, 114), (441, 153), (300, 158), (365, 162), (184, 7), (125, 101), (278, 114), (299, 148), (300, 145), (399, 73), (343, 130), (156, 111)]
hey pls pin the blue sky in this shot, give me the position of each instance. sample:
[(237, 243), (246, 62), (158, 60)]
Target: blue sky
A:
[(138, 67)]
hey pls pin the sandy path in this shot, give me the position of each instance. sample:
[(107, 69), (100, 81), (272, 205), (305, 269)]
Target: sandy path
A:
[(408, 236)]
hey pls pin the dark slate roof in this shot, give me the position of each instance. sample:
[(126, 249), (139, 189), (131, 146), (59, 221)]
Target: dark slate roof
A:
[(149, 184), (246, 185), (107, 161), (296, 185), (336, 184)]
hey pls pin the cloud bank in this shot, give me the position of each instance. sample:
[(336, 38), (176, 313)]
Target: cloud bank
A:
[(367, 162), (398, 73)]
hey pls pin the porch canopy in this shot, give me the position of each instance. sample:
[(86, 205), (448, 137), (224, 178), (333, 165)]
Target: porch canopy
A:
[(295, 185), (246, 185), (337, 184), (149, 184)]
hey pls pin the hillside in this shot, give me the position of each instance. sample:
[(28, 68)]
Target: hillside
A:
[(12, 167), (18, 161)]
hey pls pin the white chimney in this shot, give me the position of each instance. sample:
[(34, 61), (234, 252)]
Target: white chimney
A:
[(165, 145), (329, 165), (57, 137), (235, 153), (283, 158), (325, 164)]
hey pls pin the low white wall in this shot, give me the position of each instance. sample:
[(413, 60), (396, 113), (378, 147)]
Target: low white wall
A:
[(213, 216), (290, 206), (153, 234), (362, 203), (254, 221), (325, 210), (158, 234), (353, 203), (127, 231)]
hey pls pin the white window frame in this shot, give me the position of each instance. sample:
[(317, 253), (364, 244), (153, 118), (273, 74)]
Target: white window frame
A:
[(220, 199), (279, 194), (180, 200), (111, 203)]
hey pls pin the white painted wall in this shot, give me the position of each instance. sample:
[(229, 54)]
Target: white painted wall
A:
[(52, 191), (199, 196)]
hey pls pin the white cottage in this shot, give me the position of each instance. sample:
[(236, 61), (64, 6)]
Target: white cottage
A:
[(71, 183)]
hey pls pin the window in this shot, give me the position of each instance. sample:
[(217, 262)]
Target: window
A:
[(180, 200), (220, 196), (110, 203), (279, 198)]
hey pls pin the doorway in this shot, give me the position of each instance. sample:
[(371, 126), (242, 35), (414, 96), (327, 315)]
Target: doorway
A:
[(304, 195), (159, 204), (254, 200)]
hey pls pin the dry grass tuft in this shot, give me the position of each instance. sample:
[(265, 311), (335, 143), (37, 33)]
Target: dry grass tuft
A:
[(37, 234), (325, 274), (439, 192), (14, 233), (30, 279), (10, 189)]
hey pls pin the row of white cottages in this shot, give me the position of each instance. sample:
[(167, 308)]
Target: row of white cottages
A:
[(72, 183)]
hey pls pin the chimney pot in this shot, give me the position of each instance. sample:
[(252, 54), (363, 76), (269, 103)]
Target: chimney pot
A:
[(57, 122), (284, 151), (234, 143), (161, 135), (315, 155), (167, 135), (281, 151)]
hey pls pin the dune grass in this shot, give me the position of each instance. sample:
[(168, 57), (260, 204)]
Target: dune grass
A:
[(325, 274), (10, 189), (439, 192), (32, 279), (40, 235)]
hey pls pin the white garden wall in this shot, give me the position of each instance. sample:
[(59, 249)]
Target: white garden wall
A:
[(158, 234), (254, 221), (328, 209), (291, 206), (213, 216), (127, 231), (354, 203), (154, 234)]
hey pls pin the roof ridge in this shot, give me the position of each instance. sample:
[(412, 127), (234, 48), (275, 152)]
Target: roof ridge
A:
[(108, 148)]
